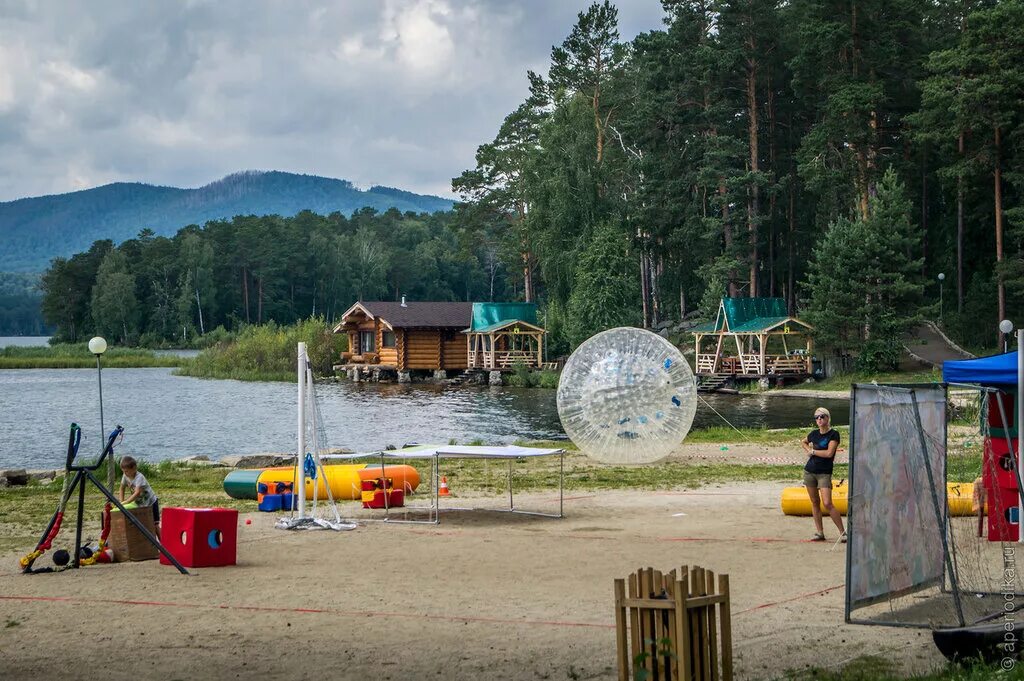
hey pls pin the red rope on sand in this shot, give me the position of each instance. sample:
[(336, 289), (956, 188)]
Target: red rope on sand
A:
[(789, 600), (351, 613)]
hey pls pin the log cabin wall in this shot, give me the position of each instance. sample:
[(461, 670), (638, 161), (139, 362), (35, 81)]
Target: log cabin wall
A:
[(454, 352), (387, 355), (422, 349), (402, 347)]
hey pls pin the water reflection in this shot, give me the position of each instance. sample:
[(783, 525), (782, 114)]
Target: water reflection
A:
[(168, 416)]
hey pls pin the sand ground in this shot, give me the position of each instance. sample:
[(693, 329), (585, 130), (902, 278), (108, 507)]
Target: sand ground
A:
[(483, 595)]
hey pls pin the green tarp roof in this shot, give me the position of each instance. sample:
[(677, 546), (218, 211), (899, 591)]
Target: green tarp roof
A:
[(490, 315), (747, 315)]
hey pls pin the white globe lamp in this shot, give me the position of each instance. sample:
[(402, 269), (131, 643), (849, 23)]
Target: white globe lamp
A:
[(97, 345)]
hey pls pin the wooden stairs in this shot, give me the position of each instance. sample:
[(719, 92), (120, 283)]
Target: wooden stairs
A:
[(711, 384), (467, 376)]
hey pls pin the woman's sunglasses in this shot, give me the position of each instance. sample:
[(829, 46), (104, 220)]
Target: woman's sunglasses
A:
[(819, 416)]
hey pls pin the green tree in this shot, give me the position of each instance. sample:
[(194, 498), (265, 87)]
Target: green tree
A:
[(605, 294), (864, 282), (114, 306)]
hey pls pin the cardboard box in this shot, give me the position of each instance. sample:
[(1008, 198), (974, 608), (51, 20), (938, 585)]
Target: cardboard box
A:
[(125, 539)]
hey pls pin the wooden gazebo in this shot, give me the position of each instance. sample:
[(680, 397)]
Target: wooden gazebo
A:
[(503, 335), (768, 342)]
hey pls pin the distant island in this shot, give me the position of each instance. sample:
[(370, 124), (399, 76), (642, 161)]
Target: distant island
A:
[(35, 230)]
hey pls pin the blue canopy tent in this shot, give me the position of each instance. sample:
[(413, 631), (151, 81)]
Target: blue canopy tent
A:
[(997, 370)]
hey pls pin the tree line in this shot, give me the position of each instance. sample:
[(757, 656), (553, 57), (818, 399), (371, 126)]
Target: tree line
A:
[(250, 270), (840, 155), (837, 154), (19, 305)]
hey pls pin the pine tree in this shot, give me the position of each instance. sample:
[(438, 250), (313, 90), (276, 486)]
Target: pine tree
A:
[(864, 282)]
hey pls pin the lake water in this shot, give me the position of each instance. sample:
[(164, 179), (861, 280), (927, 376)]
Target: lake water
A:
[(170, 417), (24, 341)]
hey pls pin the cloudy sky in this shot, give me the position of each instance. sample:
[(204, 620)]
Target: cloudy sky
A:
[(183, 92)]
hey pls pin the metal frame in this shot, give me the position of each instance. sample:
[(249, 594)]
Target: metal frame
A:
[(942, 517), (83, 473), (434, 509), (949, 563)]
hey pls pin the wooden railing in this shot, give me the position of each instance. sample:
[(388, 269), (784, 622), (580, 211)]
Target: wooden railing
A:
[(501, 359), (751, 365), (788, 364), (670, 627)]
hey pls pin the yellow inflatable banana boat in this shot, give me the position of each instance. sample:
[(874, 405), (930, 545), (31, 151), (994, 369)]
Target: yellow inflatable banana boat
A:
[(345, 480)]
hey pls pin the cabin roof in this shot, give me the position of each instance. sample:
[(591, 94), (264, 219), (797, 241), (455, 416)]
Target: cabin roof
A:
[(488, 316), (414, 315), (749, 315), (504, 323)]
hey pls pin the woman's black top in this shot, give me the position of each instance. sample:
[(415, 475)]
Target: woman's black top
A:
[(820, 440)]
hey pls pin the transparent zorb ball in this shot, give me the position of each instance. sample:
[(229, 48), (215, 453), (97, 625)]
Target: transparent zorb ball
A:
[(626, 395)]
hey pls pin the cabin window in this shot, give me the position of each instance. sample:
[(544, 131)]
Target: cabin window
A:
[(388, 341), (366, 341)]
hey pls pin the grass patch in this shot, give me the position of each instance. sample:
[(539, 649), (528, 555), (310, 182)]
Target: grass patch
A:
[(844, 381), (523, 377), (756, 436), (77, 356), (874, 668), (25, 510)]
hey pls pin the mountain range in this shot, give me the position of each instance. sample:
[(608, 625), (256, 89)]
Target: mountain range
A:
[(34, 230)]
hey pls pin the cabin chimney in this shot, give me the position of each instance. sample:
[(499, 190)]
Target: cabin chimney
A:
[(403, 302)]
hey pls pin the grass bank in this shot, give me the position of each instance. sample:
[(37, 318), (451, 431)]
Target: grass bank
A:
[(874, 668), (844, 381), (522, 377), (267, 353), (77, 356)]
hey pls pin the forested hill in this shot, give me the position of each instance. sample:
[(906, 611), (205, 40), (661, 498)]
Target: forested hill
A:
[(34, 230)]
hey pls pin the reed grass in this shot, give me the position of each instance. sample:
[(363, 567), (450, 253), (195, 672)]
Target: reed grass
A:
[(77, 356), (267, 352)]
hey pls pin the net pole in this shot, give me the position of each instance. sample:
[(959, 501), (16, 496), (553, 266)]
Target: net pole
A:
[(1020, 441), (300, 476), (940, 517), (851, 536)]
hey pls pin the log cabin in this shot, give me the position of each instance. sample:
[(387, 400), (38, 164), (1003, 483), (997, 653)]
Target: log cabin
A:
[(401, 336), (433, 336)]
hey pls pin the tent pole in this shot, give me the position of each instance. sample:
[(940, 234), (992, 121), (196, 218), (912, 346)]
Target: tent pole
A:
[(1020, 440), (299, 487)]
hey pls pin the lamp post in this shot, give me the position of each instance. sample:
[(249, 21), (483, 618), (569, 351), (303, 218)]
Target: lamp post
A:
[(97, 346), (1006, 326), (942, 277)]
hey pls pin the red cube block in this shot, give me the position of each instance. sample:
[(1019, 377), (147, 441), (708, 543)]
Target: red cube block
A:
[(997, 465), (1003, 515), (199, 537)]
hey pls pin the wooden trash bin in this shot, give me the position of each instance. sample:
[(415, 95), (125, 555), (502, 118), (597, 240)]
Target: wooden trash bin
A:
[(675, 626), (125, 539)]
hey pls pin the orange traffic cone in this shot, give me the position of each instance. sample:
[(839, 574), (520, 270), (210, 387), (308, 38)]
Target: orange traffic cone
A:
[(443, 490)]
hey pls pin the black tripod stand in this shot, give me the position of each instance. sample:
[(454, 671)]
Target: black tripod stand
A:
[(83, 474)]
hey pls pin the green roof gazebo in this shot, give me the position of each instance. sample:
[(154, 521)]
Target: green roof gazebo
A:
[(762, 330), (503, 335)]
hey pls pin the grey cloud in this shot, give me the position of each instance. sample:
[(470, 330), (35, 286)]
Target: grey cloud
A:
[(395, 92)]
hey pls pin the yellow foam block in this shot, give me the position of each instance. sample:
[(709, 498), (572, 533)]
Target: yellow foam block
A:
[(796, 502)]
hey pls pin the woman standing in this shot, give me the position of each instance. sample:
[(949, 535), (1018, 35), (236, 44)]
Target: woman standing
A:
[(820, 446)]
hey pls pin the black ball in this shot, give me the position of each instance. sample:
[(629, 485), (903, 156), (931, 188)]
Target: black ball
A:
[(61, 557), (84, 552)]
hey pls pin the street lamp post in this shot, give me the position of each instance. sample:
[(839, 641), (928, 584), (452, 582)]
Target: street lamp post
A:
[(1006, 326), (942, 277), (97, 346)]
